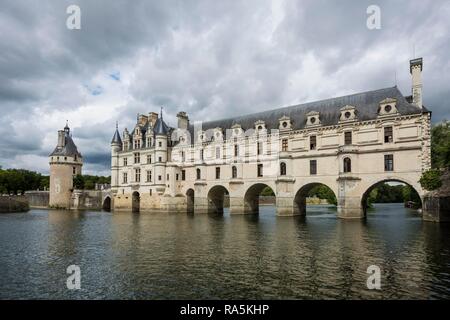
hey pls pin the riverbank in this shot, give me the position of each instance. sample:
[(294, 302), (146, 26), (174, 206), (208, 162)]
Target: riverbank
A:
[(11, 204)]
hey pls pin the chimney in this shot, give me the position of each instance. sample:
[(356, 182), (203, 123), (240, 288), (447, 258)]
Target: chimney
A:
[(152, 117), (415, 68), (61, 140), (183, 120)]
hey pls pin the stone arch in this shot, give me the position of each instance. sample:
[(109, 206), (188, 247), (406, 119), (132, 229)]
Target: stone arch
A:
[(368, 190), (190, 200), (251, 197), (302, 194), (135, 202), (106, 205), (216, 198)]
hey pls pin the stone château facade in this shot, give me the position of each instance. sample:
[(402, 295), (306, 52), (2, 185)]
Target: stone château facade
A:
[(349, 144)]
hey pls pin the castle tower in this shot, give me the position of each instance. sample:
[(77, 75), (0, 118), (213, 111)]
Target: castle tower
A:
[(161, 130), (65, 163), (415, 68), (116, 146)]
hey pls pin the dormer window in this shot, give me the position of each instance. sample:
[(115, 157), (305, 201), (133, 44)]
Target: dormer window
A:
[(260, 125), (348, 113), (387, 107), (284, 123), (313, 118)]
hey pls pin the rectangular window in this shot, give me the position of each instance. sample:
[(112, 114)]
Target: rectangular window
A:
[(260, 170), (167, 175), (388, 136), (137, 157), (176, 176), (312, 143), (313, 167), (159, 178), (138, 175), (348, 137), (125, 177), (201, 154), (150, 191), (259, 148), (149, 176), (217, 172), (74, 171), (388, 162), (159, 143), (149, 158), (183, 156), (183, 175), (284, 145), (160, 159), (217, 152), (236, 150), (125, 161)]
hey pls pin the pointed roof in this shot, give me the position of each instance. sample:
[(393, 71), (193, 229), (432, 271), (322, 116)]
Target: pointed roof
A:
[(161, 128), (68, 150), (116, 138)]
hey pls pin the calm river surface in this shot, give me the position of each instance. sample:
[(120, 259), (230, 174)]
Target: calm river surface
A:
[(180, 256)]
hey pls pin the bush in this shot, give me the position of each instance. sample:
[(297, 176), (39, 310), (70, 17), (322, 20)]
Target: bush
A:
[(431, 180)]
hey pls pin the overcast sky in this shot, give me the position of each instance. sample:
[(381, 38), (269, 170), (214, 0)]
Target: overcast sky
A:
[(212, 59)]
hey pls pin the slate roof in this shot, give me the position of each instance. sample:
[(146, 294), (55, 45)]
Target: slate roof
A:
[(69, 149), (161, 128), (366, 104), (116, 138)]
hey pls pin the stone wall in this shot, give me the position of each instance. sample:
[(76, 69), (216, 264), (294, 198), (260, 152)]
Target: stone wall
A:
[(37, 199), (13, 204), (436, 204)]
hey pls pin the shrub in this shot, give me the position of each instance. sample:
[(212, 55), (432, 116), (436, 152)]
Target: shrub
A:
[(431, 180)]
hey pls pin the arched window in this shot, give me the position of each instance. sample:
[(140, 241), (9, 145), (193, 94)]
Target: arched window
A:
[(234, 172), (282, 169), (199, 174), (347, 165)]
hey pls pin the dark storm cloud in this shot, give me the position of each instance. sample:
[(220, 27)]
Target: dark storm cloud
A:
[(210, 58)]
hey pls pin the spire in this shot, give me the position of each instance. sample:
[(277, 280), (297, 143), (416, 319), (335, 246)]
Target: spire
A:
[(116, 138), (66, 128), (161, 113)]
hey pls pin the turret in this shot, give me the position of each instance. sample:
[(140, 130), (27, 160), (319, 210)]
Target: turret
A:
[(65, 162), (116, 146), (160, 130)]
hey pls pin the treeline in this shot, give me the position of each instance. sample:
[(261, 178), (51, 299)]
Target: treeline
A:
[(88, 182), (17, 181), (385, 193)]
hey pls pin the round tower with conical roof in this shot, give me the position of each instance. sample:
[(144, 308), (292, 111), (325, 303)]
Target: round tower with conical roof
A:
[(161, 131), (116, 146), (65, 163)]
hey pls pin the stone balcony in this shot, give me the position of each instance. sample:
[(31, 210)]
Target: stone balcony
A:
[(350, 148)]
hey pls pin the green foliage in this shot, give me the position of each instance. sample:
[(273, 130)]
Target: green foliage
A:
[(78, 182), (88, 182), (440, 145), (431, 180), (385, 193), (19, 180), (323, 192), (267, 191)]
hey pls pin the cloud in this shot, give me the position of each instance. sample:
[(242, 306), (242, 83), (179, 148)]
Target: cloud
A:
[(211, 59)]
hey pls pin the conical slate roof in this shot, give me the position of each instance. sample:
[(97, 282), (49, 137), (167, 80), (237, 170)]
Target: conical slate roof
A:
[(161, 128), (116, 138), (69, 149)]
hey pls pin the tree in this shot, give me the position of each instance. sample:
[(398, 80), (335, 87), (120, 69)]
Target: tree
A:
[(323, 192), (78, 182), (440, 145)]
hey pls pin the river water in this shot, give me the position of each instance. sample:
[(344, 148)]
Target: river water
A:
[(180, 256)]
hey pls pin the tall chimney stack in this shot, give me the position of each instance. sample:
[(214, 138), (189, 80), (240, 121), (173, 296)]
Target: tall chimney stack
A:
[(61, 139), (183, 120), (415, 68)]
